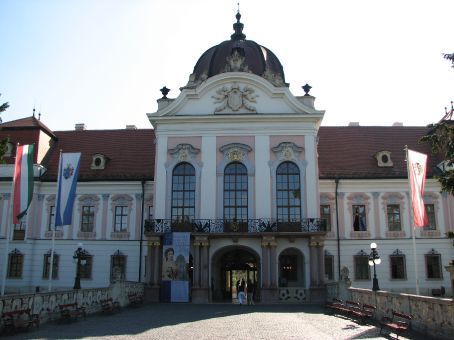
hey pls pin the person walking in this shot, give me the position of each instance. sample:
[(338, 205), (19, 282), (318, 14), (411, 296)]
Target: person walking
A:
[(241, 290)]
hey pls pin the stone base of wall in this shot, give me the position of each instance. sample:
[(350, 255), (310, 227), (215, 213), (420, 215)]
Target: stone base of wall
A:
[(269, 295), (317, 295), (151, 294), (200, 295)]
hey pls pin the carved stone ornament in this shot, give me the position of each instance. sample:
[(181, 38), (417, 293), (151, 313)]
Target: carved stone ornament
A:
[(184, 152), (273, 78), (287, 151), (235, 152), (235, 98), (235, 63)]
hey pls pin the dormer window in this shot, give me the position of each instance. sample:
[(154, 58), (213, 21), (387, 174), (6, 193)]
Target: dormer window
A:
[(9, 149), (98, 162), (384, 159)]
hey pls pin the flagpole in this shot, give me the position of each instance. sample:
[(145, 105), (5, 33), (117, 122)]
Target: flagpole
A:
[(8, 230), (53, 233), (412, 226)]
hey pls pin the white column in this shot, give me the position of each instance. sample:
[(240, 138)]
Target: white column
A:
[(208, 178), (160, 177), (262, 177), (312, 194)]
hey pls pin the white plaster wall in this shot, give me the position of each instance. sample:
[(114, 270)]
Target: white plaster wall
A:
[(208, 183)]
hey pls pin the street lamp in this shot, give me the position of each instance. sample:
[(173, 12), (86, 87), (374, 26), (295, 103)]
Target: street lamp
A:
[(374, 259), (80, 257)]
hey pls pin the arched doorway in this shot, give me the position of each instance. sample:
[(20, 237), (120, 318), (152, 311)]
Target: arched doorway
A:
[(291, 268), (229, 265)]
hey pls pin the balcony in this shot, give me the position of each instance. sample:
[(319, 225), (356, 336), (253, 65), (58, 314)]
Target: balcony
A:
[(219, 226)]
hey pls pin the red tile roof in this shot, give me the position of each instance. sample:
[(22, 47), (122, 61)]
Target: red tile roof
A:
[(130, 154), (26, 123), (349, 151)]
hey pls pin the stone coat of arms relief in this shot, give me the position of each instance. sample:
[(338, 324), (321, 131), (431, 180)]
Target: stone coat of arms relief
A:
[(235, 98)]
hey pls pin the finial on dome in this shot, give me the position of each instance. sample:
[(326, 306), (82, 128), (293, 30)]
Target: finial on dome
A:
[(238, 27)]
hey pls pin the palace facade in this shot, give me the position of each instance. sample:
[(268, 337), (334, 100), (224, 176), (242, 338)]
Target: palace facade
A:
[(266, 193)]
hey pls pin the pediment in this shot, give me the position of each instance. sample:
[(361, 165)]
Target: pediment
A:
[(234, 93)]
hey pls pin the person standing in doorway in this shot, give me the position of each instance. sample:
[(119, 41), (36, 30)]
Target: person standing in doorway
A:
[(250, 292), (241, 290)]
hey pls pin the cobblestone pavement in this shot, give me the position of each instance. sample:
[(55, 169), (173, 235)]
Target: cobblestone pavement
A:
[(211, 321)]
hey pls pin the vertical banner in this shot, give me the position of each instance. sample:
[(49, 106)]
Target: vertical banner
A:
[(417, 177), (68, 171), (175, 267), (22, 181)]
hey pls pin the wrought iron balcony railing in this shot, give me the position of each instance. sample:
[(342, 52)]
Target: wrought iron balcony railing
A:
[(259, 225)]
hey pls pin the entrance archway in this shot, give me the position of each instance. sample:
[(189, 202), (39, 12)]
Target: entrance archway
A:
[(229, 265)]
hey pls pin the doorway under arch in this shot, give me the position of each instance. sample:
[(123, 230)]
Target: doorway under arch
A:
[(229, 265)]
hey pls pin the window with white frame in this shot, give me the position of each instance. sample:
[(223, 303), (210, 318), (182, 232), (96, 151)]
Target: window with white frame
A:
[(46, 265), (359, 217), (362, 268), (117, 266), (15, 264), (433, 265), (398, 265), (329, 266), (235, 192), (325, 214), (430, 212), (393, 214), (88, 218), (121, 218)]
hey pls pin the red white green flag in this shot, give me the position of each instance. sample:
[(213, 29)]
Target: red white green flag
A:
[(23, 181), (417, 177)]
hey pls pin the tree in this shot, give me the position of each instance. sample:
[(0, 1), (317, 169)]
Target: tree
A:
[(441, 138), (4, 142)]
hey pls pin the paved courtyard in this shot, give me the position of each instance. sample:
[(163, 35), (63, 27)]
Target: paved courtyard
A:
[(212, 321)]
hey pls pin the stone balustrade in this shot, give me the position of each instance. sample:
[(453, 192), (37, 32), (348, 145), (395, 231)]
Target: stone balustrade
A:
[(46, 304), (432, 316)]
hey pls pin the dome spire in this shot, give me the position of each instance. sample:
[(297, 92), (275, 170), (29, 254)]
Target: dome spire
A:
[(238, 27)]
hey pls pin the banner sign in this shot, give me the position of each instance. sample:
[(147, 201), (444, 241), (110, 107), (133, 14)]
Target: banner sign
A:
[(175, 267)]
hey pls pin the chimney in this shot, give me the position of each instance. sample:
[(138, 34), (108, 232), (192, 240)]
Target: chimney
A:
[(398, 124), (353, 124), (131, 127), (80, 127)]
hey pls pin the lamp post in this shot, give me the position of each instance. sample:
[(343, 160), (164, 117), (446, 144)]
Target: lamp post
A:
[(79, 256), (374, 259)]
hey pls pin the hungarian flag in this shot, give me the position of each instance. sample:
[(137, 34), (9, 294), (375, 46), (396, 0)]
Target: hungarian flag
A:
[(417, 165), (23, 181), (66, 188)]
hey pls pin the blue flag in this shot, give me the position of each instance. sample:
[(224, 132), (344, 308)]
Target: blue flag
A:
[(66, 187)]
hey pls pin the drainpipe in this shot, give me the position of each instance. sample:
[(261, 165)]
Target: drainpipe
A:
[(336, 180), (141, 231)]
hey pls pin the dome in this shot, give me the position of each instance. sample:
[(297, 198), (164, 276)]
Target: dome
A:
[(238, 55)]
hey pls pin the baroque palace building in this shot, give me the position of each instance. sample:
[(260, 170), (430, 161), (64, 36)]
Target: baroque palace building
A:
[(267, 193)]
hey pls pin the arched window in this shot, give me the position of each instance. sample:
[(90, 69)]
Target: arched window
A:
[(235, 192), (183, 192), (288, 192)]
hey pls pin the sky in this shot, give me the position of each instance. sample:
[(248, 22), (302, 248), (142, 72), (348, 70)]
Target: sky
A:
[(102, 62)]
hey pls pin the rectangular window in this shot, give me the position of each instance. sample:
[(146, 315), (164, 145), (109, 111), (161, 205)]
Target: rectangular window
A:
[(398, 270), (359, 218), (19, 231), (117, 267), (46, 267), (362, 269), (433, 266), (121, 218), (150, 212), (393, 211), (88, 218), (325, 214), (86, 267), (430, 212), (329, 267), (288, 268), (15, 263), (51, 224)]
